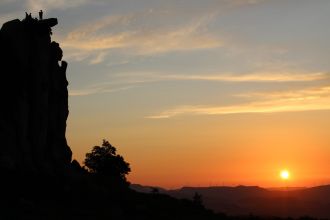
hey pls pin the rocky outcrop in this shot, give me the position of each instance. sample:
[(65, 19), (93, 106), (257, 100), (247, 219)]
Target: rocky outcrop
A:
[(34, 99)]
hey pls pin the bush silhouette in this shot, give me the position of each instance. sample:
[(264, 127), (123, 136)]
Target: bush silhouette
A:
[(197, 199), (104, 161)]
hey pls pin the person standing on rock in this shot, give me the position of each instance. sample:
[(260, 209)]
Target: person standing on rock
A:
[(41, 14)]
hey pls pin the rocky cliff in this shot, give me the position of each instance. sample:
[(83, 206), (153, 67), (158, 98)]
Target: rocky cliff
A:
[(34, 100)]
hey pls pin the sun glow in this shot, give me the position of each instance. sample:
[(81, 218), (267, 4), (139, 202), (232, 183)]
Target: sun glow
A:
[(285, 174)]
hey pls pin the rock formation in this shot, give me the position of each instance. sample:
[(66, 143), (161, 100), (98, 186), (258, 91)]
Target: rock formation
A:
[(34, 100)]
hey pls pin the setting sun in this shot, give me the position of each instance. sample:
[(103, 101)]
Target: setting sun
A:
[(285, 174)]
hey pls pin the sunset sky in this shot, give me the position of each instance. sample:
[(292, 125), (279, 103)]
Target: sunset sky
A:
[(198, 92)]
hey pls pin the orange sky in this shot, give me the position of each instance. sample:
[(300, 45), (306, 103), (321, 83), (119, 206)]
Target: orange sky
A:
[(215, 150)]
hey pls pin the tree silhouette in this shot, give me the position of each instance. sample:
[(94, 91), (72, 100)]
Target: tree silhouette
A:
[(154, 190), (197, 199), (104, 160)]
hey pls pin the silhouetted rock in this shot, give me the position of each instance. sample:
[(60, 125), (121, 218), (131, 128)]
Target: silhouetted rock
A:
[(34, 100)]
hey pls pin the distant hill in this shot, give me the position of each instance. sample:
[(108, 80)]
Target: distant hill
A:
[(285, 188), (243, 200), (147, 189)]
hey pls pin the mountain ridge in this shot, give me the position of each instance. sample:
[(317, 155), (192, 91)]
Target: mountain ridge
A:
[(244, 200)]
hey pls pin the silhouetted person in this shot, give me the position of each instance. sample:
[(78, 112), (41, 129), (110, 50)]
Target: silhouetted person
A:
[(41, 14), (28, 16)]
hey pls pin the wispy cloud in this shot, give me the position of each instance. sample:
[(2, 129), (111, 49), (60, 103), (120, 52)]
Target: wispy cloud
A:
[(301, 100), (310, 93), (245, 2), (98, 89), (227, 77), (36, 5), (118, 82), (104, 34), (108, 86), (99, 58), (155, 30)]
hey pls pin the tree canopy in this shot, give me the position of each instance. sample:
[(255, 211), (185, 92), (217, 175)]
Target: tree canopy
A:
[(105, 161)]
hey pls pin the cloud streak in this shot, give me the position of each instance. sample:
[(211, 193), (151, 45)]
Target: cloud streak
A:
[(125, 32), (97, 90), (36, 5), (126, 81), (158, 30), (301, 100), (225, 77), (99, 58)]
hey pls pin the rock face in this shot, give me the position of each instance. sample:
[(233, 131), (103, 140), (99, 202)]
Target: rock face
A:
[(34, 100)]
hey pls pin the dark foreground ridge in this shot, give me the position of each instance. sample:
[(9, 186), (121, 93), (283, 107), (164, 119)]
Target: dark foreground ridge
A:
[(38, 179)]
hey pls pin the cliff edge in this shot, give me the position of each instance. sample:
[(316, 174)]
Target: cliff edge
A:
[(34, 100)]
